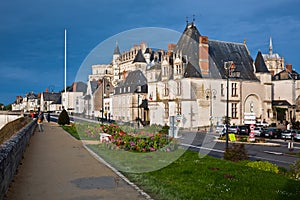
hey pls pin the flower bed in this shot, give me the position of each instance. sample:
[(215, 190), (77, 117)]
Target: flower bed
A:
[(138, 142)]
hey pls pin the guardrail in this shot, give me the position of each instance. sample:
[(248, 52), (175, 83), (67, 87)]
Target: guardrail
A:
[(11, 153)]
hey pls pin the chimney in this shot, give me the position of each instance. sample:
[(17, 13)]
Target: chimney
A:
[(47, 90), (171, 48), (289, 68), (99, 82), (74, 87), (203, 55)]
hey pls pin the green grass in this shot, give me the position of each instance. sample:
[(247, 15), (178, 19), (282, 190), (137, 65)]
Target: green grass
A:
[(72, 131), (191, 177)]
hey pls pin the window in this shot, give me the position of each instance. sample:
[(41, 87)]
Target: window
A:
[(166, 90), (166, 110), (178, 88), (234, 89), (178, 69), (178, 107), (222, 89), (165, 71), (234, 110)]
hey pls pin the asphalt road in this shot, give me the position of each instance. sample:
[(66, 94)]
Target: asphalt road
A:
[(279, 155)]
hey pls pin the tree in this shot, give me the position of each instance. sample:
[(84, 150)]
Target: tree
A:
[(63, 118)]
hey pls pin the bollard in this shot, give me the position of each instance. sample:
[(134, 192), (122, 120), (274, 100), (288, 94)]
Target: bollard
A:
[(291, 145)]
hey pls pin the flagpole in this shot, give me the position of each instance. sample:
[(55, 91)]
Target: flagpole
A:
[(66, 69)]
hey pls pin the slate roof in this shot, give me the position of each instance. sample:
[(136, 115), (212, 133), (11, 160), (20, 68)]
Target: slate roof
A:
[(80, 87), (139, 57), (94, 86), (133, 80), (58, 101), (117, 50), (51, 96), (260, 64), (188, 47), (281, 75), (31, 95), (283, 103), (220, 52)]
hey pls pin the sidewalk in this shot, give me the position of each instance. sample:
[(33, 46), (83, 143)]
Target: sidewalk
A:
[(57, 167)]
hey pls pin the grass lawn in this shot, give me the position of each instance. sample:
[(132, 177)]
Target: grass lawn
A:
[(191, 177)]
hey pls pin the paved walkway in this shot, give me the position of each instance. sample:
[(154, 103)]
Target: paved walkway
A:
[(56, 166)]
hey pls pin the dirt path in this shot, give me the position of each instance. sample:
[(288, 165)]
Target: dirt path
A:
[(55, 166)]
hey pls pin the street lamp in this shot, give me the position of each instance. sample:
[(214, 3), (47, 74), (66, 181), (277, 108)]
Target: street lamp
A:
[(211, 95), (107, 86), (229, 66), (138, 90)]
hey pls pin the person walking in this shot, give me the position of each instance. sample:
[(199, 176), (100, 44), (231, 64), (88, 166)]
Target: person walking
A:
[(40, 121)]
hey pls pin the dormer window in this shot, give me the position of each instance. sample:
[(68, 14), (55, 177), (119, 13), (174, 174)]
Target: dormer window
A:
[(178, 69)]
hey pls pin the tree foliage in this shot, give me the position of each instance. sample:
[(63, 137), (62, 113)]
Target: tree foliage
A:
[(63, 118)]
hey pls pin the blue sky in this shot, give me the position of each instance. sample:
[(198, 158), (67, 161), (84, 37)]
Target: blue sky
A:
[(32, 32)]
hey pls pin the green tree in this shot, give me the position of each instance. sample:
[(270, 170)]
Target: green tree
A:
[(63, 118)]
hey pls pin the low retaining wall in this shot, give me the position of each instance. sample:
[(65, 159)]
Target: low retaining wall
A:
[(11, 153)]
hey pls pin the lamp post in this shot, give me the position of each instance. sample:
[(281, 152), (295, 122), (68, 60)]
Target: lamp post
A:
[(138, 107), (107, 86), (211, 95), (229, 67), (138, 91)]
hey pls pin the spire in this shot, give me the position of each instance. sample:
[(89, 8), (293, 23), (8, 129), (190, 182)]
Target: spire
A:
[(139, 57), (117, 50), (271, 46), (260, 64)]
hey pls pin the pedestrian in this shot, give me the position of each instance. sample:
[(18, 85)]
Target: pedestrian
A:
[(40, 121), (48, 116)]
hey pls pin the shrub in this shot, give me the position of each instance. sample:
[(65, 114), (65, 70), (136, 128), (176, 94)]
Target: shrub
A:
[(295, 170), (264, 165), (63, 118), (236, 153), (164, 130)]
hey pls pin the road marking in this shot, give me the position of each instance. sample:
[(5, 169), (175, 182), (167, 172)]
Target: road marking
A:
[(189, 145), (275, 153), (220, 151)]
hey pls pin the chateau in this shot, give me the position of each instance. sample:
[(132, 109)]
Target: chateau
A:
[(188, 81)]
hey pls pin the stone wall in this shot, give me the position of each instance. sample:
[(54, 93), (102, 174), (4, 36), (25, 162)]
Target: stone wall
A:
[(11, 153)]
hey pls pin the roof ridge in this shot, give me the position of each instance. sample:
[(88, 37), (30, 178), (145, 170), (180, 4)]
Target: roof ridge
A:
[(227, 42)]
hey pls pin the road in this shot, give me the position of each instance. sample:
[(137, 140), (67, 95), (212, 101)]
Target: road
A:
[(207, 144)]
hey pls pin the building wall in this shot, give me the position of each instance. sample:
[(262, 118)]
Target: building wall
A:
[(283, 90)]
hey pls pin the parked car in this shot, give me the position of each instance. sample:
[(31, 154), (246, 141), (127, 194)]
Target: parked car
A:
[(272, 133), (220, 128), (244, 130), (258, 131), (297, 135), (233, 129), (288, 134)]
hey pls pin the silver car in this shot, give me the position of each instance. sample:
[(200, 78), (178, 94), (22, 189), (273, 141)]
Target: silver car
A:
[(288, 134), (258, 131)]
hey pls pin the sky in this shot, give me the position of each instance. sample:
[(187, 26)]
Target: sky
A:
[(32, 33)]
